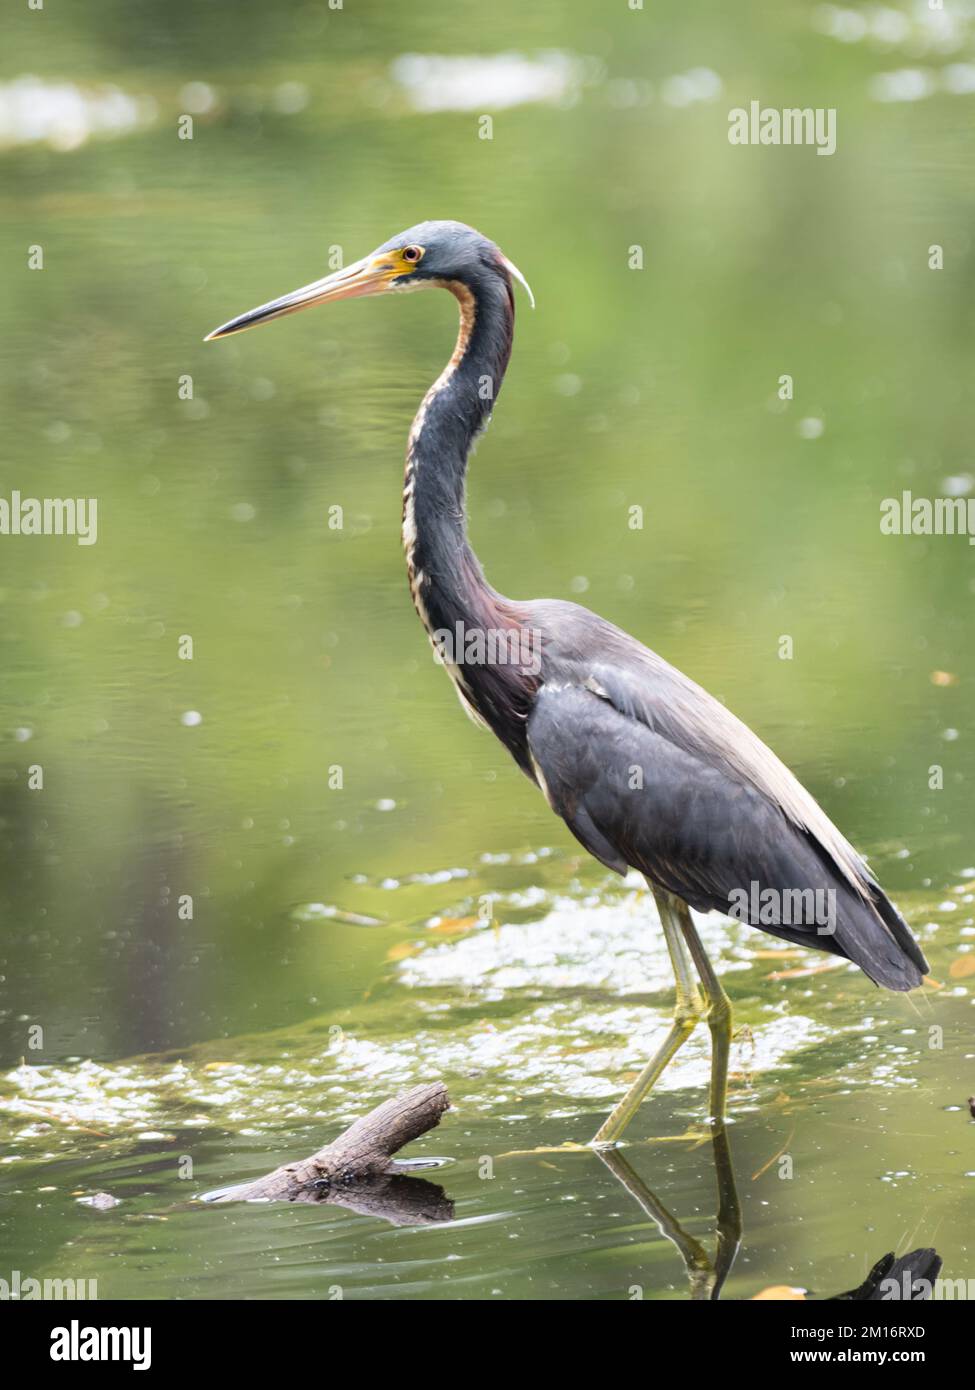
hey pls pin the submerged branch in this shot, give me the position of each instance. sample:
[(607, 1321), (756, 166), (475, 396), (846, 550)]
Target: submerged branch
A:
[(363, 1154)]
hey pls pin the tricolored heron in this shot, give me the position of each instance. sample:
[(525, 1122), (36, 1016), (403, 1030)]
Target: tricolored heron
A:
[(646, 769)]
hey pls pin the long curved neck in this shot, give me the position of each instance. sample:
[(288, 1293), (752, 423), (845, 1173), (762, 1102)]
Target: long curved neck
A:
[(497, 683), (446, 580)]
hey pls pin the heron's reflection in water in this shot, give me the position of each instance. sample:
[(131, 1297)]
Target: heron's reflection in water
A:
[(706, 1276), (909, 1277)]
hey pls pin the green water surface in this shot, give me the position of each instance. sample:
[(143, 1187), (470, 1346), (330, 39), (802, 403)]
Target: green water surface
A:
[(429, 918)]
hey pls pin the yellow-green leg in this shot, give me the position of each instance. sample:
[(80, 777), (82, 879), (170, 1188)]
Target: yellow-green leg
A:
[(688, 1012), (718, 1013)]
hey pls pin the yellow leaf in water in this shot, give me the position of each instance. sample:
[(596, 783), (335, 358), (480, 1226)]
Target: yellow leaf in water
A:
[(402, 950), (943, 678), (781, 1293), (451, 926), (778, 955), (217, 1066), (962, 966), (805, 970)]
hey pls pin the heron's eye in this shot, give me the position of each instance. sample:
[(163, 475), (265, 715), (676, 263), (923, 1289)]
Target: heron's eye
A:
[(412, 253)]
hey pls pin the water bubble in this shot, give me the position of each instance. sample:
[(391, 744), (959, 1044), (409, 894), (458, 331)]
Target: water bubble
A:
[(906, 84), (290, 98), (198, 98), (568, 384)]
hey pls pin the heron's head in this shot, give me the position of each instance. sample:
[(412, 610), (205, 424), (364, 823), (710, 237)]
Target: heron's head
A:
[(446, 254)]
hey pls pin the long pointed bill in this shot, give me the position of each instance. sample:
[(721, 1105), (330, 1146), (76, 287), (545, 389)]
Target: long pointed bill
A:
[(371, 275)]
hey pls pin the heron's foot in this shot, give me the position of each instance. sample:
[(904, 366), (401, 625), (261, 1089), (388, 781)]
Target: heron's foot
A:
[(601, 1145)]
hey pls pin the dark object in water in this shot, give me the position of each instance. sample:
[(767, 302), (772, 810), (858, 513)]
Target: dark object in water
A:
[(358, 1170), (923, 1264)]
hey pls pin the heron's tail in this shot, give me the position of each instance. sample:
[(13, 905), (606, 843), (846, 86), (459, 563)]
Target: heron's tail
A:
[(869, 930), (885, 948)]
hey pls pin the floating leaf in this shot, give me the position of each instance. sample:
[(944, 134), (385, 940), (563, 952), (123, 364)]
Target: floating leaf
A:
[(805, 970), (962, 966), (402, 950), (451, 926)]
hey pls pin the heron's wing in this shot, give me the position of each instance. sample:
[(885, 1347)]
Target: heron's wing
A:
[(587, 650), (636, 797)]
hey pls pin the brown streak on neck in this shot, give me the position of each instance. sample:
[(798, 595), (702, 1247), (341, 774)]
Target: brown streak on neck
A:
[(468, 312)]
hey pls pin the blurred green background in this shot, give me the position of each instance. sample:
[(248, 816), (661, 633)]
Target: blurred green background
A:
[(316, 128)]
